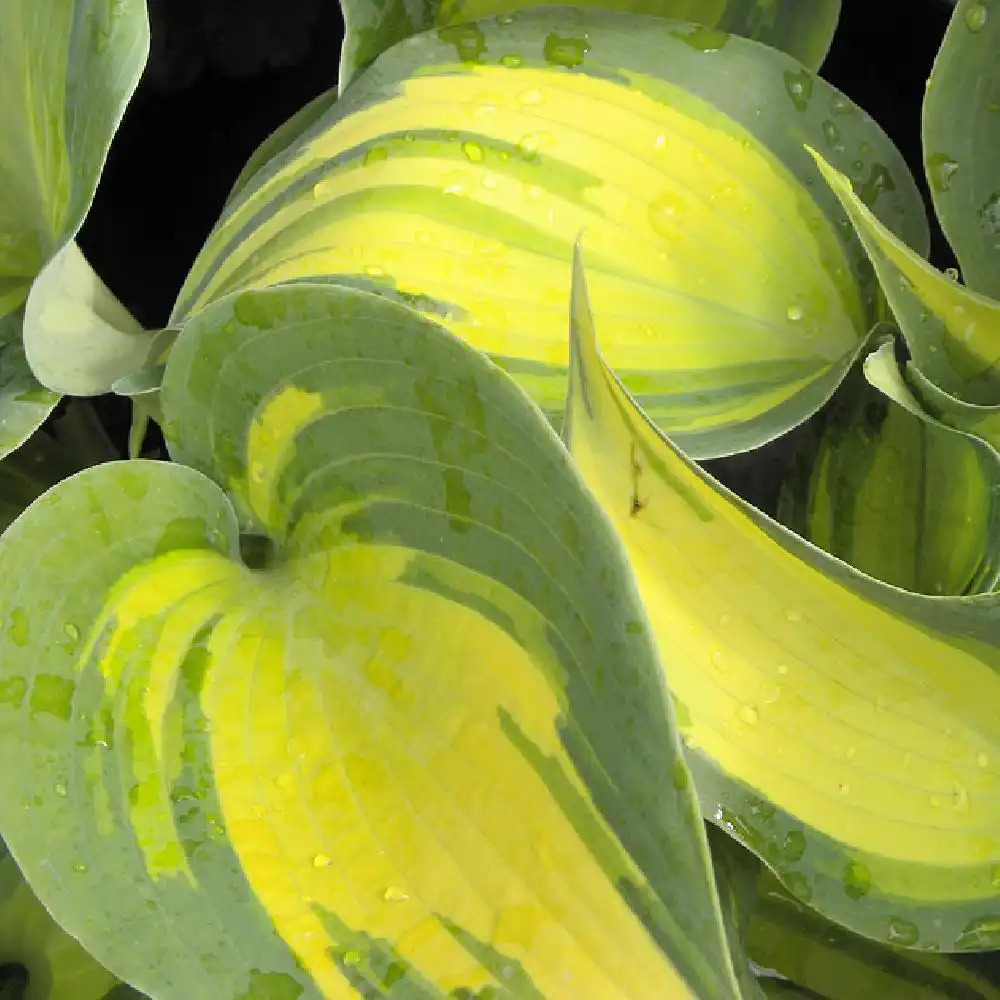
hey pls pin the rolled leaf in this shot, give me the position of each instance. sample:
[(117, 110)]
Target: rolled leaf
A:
[(846, 731), (457, 171), (423, 749), (953, 333), (882, 485), (961, 141), (804, 30)]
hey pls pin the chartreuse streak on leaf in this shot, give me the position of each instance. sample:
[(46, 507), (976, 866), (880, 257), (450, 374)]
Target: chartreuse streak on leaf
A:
[(459, 186), (419, 755), (834, 724)]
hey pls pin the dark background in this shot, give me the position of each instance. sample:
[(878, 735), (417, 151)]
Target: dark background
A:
[(223, 74)]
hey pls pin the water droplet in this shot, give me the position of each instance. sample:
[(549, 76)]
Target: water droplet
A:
[(72, 632), (663, 214), (797, 884), (530, 97), (79, 866), (473, 151), (844, 788), (879, 180), (976, 16), (257, 472), (659, 142), (393, 894), (902, 932), (352, 957), (989, 215), (718, 659), (850, 752), (748, 714), (794, 845), (568, 52), (941, 168), (794, 313), (982, 759), (857, 880), (793, 615), (782, 669), (322, 861), (60, 789), (375, 155), (831, 133), (511, 61), (679, 775), (505, 18), (799, 87)]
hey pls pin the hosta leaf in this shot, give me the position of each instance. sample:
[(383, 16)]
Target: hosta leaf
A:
[(24, 401), (78, 338), (953, 333), (804, 30), (38, 959), (424, 747), (456, 173), (67, 70), (962, 150), (846, 731), (883, 486)]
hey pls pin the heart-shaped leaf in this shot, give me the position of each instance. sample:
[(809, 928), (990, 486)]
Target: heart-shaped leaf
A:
[(847, 731), (458, 170), (423, 750)]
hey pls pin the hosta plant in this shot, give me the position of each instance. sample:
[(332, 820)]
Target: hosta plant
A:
[(426, 661)]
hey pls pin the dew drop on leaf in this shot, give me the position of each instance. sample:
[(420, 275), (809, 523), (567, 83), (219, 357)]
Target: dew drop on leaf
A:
[(794, 845), (857, 879), (393, 894), (976, 16), (322, 861), (902, 932), (748, 714), (794, 313), (941, 169)]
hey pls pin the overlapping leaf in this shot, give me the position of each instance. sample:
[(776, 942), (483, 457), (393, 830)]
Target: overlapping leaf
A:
[(423, 750), (844, 730), (457, 171), (883, 486), (804, 30), (67, 71), (953, 332), (38, 959)]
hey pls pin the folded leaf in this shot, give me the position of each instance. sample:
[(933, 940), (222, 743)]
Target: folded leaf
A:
[(885, 487), (804, 30), (952, 332), (38, 959), (961, 140), (78, 338), (458, 170), (423, 750), (846, 731)]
